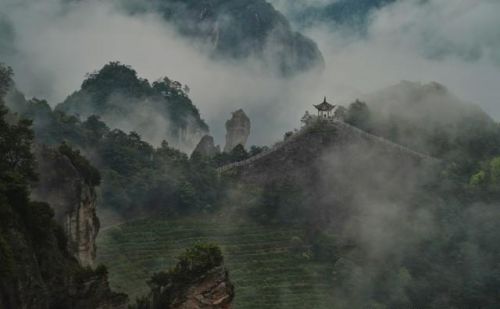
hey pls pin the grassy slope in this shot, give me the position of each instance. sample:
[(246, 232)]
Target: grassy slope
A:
[(266, 268)]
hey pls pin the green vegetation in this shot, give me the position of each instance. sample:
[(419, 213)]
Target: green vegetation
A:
[(5, 80), (465, 140), (136, 177), (358, 115), (291, 245), (117, 94), (279, 202), (34, 259), (294, 263), (486, 182), (270, 265), (89, 172), (239, 153), (191, 264)]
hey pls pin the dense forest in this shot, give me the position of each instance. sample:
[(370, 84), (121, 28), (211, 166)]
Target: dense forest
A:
[(454, 265), (136, 175), (37, 270), (158, 110), (116, 192)]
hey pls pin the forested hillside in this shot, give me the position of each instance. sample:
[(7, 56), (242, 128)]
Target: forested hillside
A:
[(431, 119), (340, 220), (36, 266), (359, 211), (158, 111)]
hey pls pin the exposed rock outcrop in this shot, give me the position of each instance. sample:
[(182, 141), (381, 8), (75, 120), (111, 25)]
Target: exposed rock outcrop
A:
[(206, 147), (198, 281), (237, 130), (73, 199), (211, 291)]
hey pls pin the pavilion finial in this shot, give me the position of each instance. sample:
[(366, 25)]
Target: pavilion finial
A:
[(324, 101)]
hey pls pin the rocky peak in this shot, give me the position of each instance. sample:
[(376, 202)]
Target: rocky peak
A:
[(237, 130), (206, 147)]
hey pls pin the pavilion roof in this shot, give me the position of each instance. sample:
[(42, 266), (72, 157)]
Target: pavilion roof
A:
[(324, 106)]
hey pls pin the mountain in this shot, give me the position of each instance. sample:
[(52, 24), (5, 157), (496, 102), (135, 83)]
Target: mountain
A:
[(158, 111), (137, 177), (48, 222), (431, 119), (321, 159), (351, 13), (239, 29)]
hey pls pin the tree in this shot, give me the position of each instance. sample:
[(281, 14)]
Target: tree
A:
[(89, 173), (238, 153), (191, 264), (96, 128), (5, 80), (340, 113), (495, 171), (358, 115), (16, 160), (255, 150)]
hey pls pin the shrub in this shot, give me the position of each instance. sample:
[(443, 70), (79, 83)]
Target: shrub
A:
[(193, 263)]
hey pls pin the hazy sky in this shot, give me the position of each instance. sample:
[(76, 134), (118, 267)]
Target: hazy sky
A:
[(457, 43)]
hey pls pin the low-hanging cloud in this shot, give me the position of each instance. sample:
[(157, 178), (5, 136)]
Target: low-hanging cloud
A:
[(451, 42), (455, 43), (58, 44)]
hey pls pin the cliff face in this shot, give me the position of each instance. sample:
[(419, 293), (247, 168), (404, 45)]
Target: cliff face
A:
[(43, 275), (73, 200), (237, 130)]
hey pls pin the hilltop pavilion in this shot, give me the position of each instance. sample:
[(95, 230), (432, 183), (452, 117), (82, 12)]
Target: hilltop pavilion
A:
[(325, 110)]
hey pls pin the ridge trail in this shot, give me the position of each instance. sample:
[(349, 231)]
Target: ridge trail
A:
[(329, 124)]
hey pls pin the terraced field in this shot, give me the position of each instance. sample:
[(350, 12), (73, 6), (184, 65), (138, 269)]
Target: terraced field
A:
[(268, 265)]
